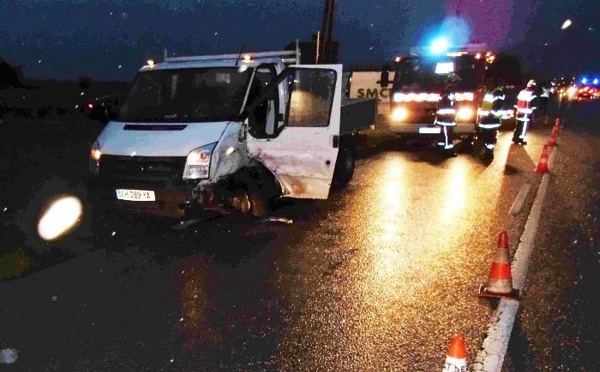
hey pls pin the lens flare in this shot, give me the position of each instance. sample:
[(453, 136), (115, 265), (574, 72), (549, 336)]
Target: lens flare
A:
[(61, 216)]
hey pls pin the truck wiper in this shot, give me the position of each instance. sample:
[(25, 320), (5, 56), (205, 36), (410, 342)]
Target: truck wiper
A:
[(173, 116)]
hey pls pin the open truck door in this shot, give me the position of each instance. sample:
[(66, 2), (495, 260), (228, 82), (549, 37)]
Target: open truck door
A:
[(294, 128)]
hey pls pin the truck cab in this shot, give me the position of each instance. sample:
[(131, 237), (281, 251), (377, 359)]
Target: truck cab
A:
[(420, 82), (225, 132)]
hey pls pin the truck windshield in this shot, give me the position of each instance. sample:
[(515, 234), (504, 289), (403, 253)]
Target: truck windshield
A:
[(421, 74), (186, 95)]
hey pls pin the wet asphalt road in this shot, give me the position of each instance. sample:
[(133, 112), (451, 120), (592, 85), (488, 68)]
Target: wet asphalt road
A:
[(558, 321), (379, 277)]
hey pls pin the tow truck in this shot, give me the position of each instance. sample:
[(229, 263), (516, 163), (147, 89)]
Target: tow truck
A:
[(419, 82), (228, 132)]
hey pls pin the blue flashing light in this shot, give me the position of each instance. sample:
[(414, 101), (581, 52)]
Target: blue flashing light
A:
[(596, 81), (439, 45), (584, 81)]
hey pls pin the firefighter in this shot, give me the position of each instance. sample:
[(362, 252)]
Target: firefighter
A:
[(525, 108), (490, 116), (446, 116)]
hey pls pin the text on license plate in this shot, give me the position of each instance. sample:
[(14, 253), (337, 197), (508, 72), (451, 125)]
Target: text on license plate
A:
[(428, 130), (135, 195)]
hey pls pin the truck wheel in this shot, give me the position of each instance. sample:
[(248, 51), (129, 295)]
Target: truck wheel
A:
[(259, 207), (344, 167), (261, 189)]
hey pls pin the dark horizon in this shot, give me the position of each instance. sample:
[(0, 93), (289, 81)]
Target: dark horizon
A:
[(110, 40)]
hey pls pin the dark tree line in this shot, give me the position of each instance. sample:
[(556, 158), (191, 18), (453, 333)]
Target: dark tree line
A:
[(10, 76)]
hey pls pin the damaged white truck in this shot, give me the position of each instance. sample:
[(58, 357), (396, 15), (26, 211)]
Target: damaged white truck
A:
[(228, 132)]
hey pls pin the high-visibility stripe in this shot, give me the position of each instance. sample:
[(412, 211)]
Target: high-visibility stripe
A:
[(525, 95), (489, 126)]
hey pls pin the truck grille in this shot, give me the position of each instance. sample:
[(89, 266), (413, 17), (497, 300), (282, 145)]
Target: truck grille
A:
[(142, 168)]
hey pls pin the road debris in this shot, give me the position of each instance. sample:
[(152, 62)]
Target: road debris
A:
[(288, 221), (185, 224)]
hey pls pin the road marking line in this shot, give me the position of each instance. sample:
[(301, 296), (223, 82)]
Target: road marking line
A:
[(490, 357), (520, 199)]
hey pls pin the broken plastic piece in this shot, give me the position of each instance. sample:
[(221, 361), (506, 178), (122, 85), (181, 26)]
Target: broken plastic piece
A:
[(279, 219)]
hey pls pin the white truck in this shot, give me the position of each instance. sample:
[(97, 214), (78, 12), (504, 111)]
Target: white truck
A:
[(367, 84), (228, 132)]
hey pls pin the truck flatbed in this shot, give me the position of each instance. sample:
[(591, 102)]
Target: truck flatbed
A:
[(357, 114)]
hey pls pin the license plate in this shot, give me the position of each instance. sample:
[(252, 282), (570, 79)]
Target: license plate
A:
[(135, 195), (430, 130)]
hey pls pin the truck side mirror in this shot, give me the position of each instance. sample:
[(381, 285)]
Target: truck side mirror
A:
[(261, 112), (384, 81)]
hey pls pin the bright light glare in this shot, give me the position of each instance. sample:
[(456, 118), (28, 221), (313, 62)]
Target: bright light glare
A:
[(444, 67), (465, 113), (584, 81), (439, 46), (400, 114), (96, 154), (566, 24), (62, 215), (596, 81)]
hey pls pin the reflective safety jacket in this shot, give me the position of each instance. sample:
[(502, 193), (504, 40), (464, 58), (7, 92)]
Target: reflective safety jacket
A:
[(525, 101), (446, 113), (545, 93), (491, 110)]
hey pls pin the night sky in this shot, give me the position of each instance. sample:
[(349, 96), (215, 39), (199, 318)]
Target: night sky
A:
[(111, 39)]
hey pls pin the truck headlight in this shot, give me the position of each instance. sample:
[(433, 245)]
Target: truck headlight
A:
[(465, 113), (95, 155), (400, 114), (197, 165)]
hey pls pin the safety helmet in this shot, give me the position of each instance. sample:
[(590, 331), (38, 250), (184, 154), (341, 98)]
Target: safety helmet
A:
[(531, 83)]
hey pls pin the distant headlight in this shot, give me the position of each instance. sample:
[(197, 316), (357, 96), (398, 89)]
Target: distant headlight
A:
[(197, 165)]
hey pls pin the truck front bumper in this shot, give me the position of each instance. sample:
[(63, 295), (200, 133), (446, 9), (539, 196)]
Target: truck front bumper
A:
[(172, 201), (429, 128)]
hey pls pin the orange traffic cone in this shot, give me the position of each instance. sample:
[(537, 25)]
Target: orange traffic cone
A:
[(456, 359), (552, 141), (556, 126), (543, 164), (500, 279)]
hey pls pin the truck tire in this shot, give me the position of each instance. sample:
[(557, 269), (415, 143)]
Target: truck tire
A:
[(344, 166), (261, 188)]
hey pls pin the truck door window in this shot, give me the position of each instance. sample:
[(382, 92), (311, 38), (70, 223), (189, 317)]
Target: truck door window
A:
[(264, 111), (310, 97)]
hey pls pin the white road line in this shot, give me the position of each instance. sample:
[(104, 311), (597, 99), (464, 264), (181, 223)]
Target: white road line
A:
[(520, 199), (491, 355)]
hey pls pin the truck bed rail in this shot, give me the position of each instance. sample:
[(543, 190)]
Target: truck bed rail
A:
[(287, 56)]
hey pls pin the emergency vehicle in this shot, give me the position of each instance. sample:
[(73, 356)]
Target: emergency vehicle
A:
[(421, 79)]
